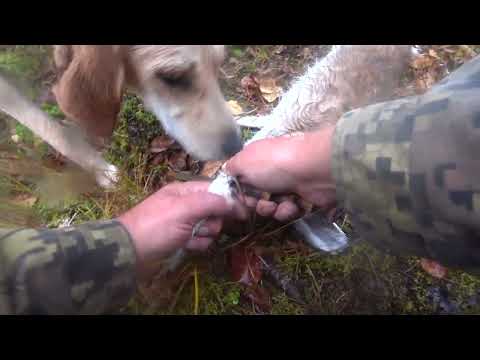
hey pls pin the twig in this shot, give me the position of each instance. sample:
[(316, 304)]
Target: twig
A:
[(177, 295), (283, 281), (243, 114), (288, 224), (245, 238), (315, 283), (195, 276), (341, 297), (371, 265)]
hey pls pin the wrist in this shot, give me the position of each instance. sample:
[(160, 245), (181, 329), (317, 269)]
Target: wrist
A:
[(129, 222)]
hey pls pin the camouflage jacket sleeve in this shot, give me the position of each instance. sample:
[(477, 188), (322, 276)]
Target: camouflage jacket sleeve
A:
[(86, 269), (408, 171)]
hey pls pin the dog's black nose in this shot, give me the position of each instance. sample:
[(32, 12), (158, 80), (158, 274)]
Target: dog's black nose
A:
[(232, 145)]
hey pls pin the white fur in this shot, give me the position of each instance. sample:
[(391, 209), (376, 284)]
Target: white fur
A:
[(314, 92)]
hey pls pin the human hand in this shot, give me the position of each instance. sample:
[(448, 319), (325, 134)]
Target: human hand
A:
[(164, 222), (288, 164)]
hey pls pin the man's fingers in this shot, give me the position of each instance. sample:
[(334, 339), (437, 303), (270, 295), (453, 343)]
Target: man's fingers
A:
[(286, 211), (199, 243), (240, 211), (184, 188), (202, 205), (266, 208), (211, 227), (251, 202)]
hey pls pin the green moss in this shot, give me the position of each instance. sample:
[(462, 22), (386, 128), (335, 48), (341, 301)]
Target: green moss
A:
[(24, 66), (282, 305), (53, 110), (132, 136), (217, 297), (24, 134), (20, 64), (237, 52)]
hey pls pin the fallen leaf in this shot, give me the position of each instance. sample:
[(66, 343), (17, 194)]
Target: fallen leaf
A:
[(260, 297), (210, 168), (279, 49), (25, 200), (170, 176), (433, 268), (433, 53), (249, 82), (161, 143), (193, 165), (178, 161), (234, 107), (158, 159), (246, 266), (54, 161), (269, 89), (422, 62), (306, 53)]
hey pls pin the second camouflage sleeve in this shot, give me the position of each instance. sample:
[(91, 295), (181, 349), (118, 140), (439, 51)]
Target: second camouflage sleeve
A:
[(407, 171), (85, 269)]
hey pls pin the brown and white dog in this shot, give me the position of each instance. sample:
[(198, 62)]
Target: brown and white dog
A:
[(178, 83)]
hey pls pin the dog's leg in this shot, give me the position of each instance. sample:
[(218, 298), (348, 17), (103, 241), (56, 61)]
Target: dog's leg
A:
[(69, 141)]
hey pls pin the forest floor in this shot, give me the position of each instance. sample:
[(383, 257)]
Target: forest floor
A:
[(269, 270)]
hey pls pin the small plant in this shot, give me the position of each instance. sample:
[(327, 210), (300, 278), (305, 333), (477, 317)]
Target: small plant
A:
[(53, 110), (25, 135)]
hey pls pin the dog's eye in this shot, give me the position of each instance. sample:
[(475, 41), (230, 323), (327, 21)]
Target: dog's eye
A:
[(179, 81)]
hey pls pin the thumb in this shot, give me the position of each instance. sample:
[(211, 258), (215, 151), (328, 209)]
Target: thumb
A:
[(232, 166), (202, 205)]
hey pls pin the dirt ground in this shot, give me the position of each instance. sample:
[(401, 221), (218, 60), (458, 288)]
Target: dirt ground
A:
[(266, 269)]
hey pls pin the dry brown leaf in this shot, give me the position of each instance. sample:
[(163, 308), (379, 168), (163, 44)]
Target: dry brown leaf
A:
[(178, 161), (234, 107), (426, 81), (422, 62), (260, 297), (170, 176), (249, 82), (161, 143), (246, 266), (210, 168), (193, 165), (433, 268), (25, 200), (158, 159), (269, 89), (307, 53), (279, 49), (433, 53)]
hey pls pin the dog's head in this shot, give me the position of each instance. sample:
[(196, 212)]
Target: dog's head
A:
[(178, 83)]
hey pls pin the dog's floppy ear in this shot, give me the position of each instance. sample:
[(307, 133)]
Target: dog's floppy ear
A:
[(90, 88)]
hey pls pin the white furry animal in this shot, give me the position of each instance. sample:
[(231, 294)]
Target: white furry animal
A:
[(178, 83), (348, 77)]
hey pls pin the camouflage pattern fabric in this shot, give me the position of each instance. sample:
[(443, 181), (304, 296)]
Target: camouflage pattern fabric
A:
[(86, 269), (408, 171)]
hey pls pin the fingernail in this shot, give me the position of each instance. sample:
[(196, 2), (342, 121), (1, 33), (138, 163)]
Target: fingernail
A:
[(203, 231)]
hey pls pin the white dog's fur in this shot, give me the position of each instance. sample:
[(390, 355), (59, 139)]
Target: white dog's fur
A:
[(348, 77)]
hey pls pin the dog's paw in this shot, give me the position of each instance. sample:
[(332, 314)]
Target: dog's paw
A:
[(107, 178)]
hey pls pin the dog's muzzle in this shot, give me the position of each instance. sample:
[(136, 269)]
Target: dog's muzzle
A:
[(232, 145)]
